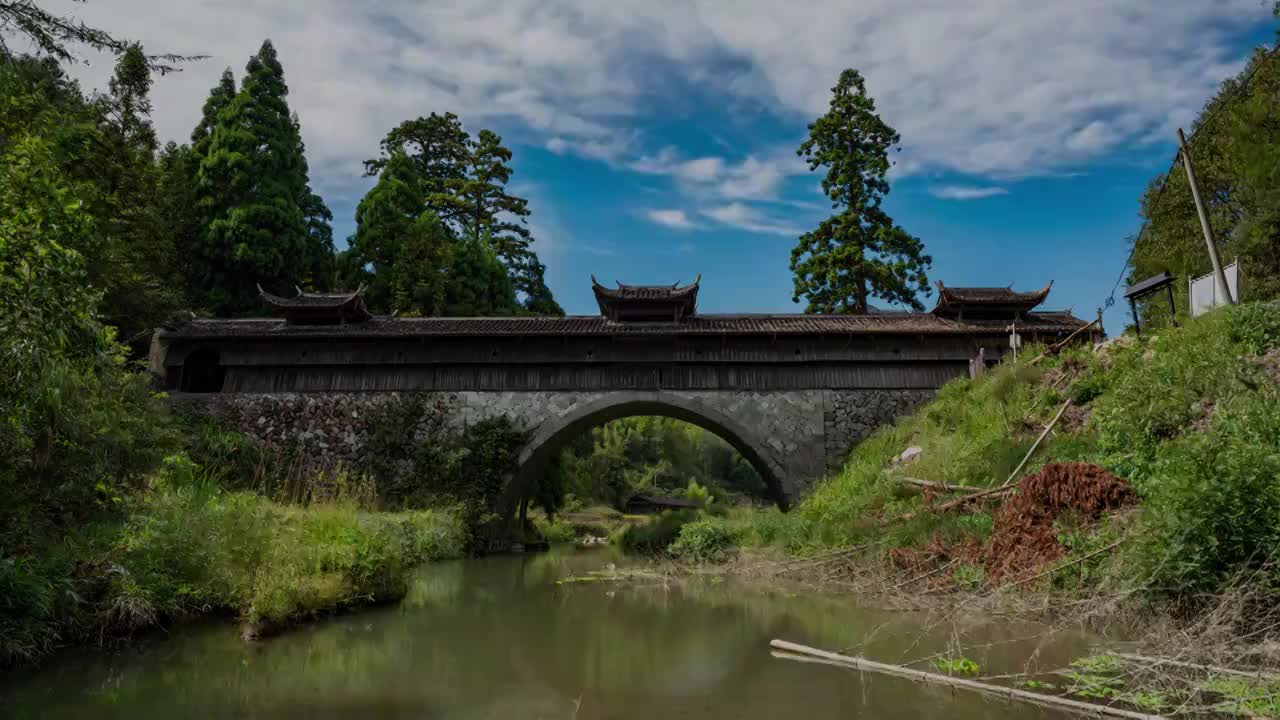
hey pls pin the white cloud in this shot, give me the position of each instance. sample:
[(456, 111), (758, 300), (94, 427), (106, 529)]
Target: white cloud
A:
[(677, 219), (999, 88), (966, 192), (744, 217)]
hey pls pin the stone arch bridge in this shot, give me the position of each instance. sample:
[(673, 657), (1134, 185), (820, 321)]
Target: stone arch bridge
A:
[(793, 393)]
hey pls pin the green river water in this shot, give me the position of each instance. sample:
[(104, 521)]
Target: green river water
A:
[(499, 638)]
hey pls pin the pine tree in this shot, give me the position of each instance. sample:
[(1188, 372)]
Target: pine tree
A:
[(385, 216), (418, 276), (252, 187), (478, 284), (463, 182), (858, 252), (134, 262), (219, 98)]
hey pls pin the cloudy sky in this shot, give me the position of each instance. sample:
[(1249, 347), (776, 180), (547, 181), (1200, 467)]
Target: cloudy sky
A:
[(656, 139)]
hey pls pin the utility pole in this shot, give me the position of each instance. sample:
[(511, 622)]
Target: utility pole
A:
[(1218, 274)]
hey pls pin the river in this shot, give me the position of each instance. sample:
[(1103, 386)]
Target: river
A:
[(500, 637)]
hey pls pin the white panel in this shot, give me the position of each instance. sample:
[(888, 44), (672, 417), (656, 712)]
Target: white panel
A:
[(1204, 296)]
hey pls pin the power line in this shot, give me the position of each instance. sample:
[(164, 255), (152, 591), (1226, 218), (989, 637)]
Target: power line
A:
[(1205, 122)]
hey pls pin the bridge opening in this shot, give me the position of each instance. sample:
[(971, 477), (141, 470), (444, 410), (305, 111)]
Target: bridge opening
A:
[(203, 372), (639, 456)]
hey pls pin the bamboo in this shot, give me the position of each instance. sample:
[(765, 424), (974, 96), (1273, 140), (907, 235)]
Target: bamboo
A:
[(795, 651), (1036, 444)]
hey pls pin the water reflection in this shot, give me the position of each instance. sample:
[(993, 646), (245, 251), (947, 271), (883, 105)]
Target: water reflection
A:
[(498, 638)]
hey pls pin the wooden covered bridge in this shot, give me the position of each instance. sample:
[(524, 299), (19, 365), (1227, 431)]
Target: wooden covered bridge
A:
[(792, 392)]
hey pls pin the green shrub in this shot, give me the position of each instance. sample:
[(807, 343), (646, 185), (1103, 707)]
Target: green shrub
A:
[(1213, 511), (703, 541), (556, 532), (655, 536)]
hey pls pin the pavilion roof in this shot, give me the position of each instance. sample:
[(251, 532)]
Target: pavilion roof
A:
[(318, 308), (952, 301)]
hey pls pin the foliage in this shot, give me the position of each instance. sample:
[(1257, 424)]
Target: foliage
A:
[(1234, 145), (653, 455), (858, 252), (462, 181), (263, 224), (399, 251), (1191, 419), (956, 666), (478, 284), (53, 35), (77, 426), (699, 494), (556, 532), (655, 536), (703, 541), (418, 461)]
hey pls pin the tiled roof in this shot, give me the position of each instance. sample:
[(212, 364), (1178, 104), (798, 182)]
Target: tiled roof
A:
[(646, 292), (595, 325), (953, 297)]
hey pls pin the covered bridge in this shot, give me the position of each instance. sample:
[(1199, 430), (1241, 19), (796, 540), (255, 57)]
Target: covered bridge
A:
[(792, 392)]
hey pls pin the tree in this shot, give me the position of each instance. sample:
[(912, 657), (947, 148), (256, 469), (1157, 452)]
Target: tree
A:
[(463, 182), (478, 283), (263, 221), (134, 262), (52, 34), (858, 252), (1235, 147), (418, 276), (385, 216), (219, 98)]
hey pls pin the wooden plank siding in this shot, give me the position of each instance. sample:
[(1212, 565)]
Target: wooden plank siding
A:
[(384, 378)]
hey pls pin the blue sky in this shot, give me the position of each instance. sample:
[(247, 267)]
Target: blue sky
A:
[(656, 140)]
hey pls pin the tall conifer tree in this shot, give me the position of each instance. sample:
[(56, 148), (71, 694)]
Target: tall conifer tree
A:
[(858, 252), (252, 186)]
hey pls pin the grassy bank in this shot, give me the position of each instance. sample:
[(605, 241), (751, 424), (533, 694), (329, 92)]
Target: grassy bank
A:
[(184, 548), (1182, 426)]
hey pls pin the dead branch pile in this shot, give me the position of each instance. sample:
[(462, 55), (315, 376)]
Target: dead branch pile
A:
[(1025, 538)]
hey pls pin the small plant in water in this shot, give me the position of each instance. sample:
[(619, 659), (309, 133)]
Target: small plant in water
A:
[(956, 666)]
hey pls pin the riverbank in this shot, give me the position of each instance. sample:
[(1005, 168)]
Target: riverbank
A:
[(185, 548), (1129, 487)]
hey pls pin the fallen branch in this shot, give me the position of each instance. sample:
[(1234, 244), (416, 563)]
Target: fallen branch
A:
[(1054, 348), (1255, 674), (804, 653), (1036, 444), (935, 486), (1064, 566), (929, 574), (958, 502), (1008, 485)]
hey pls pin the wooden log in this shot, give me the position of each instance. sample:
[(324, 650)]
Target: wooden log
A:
[(792, 650)]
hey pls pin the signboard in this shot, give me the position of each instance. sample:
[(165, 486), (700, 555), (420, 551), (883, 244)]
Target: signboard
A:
[(1204, 295)]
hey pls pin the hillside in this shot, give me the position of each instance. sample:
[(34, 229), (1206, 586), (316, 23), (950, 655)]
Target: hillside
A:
[(1159, 479)]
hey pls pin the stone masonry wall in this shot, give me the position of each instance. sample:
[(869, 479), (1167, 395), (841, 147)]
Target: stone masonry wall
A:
[(853, 415), (801, 434)]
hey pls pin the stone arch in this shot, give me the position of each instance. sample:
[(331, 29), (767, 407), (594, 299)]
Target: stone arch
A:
[(554, 432), (203, 371)]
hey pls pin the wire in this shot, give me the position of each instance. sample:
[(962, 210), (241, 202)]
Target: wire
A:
[(1213, 113)]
